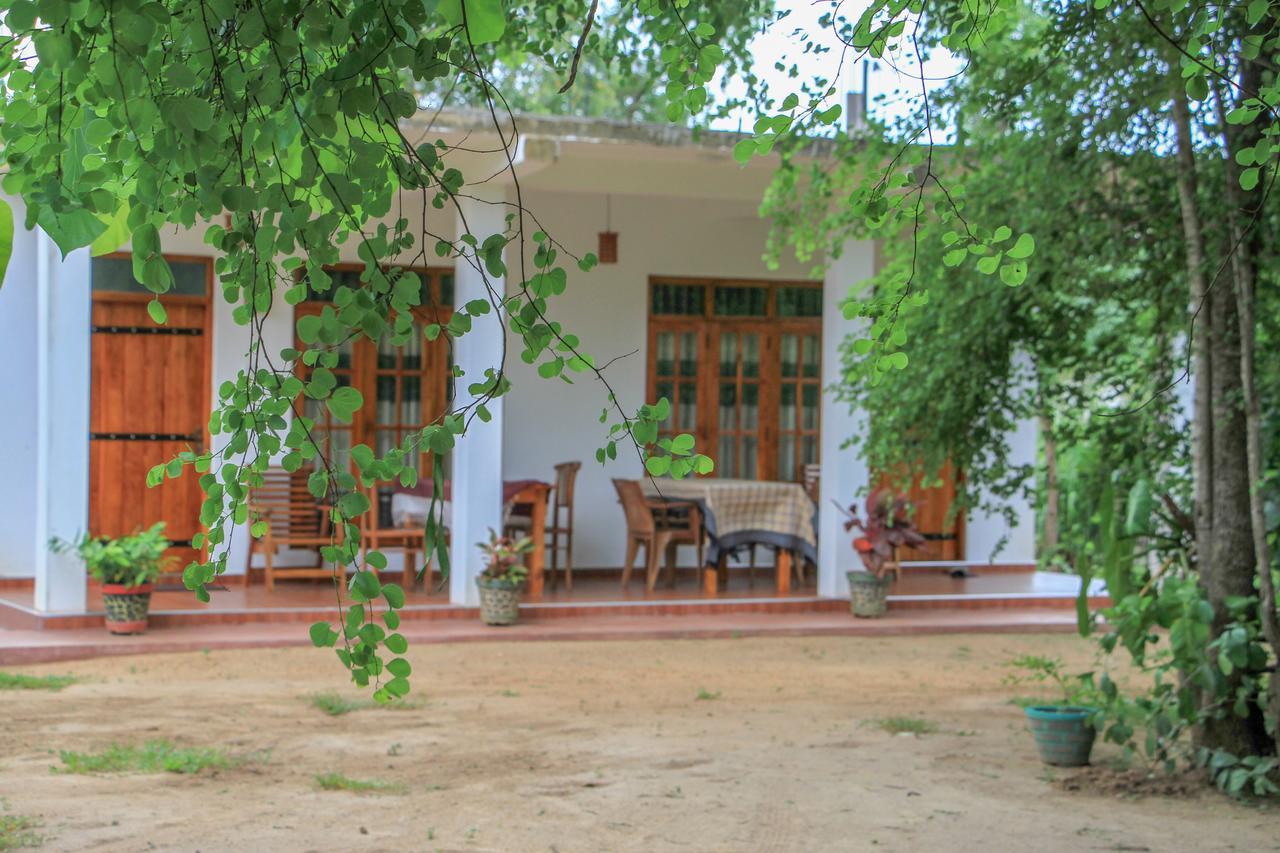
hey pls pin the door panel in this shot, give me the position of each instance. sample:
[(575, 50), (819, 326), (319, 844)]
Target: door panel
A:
[(934, 519), (149, 399)]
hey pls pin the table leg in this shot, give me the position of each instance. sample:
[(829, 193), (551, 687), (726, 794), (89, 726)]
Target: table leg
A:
[(711, 578), (538, 557), (784, 571)]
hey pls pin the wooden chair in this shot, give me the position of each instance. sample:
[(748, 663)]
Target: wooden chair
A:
[(659, 526), (562, 520), (294, 519), (410, 538), (812, 481)]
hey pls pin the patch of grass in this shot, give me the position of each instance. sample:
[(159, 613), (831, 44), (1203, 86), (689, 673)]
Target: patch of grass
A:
[(17, 831), (905, 725), (154, 756), (705, 695), (335, 704), (18, 681), (339, 782)]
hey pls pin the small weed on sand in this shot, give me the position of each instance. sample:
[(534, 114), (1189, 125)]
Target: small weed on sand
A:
[(705, 695), (154, 756), (339, 782), (335, 704), (17, 681), (17, 831), (905, 725)]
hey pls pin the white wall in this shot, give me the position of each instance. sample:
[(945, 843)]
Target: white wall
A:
[(548, 421), (988, 537)]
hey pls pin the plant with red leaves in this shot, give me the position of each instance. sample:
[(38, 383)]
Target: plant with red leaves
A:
[(888, 526)]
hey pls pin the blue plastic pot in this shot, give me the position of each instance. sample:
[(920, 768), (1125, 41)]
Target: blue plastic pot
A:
[(1063, 734)]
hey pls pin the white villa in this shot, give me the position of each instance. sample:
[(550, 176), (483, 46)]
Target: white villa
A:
[(689, 310)]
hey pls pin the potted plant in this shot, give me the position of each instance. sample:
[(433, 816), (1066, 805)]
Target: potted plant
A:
[(889, 525), (1063, 731), (503, 578), (125, 567)]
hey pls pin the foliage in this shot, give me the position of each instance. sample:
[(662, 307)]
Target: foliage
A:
[(129, 560), (154, 756), (19, 831), (337, 705), (339, 782), (504, 558), (1045, 670), (888, 526), (906, 725), (19, 681)]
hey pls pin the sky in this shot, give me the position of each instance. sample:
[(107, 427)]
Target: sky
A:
[(894, 87)]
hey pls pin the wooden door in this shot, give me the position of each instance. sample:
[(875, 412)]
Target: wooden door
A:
[(149, 400), (745, 391), (934, 518)]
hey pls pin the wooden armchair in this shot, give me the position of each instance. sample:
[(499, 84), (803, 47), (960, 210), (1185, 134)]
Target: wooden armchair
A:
[(295, 521), (659, 526), (409, 537), (561, 526)]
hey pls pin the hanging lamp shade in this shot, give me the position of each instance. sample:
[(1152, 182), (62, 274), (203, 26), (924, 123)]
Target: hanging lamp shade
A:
[(607, 240)]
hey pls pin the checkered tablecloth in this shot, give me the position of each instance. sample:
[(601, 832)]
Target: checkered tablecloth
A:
[(747, 512)]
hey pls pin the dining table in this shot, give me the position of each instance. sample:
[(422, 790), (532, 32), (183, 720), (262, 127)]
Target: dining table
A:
[(742, 513)]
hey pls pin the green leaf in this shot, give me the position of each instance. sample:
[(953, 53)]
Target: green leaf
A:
[(1022, 249), (485, 19), (1013, 274), (6, 237), (344, 403), (744, 151), (322, 635), (115, 235), (1249, 178), (396, 644), (394, 595), (365, 584), (658, 465), (157, 313), (399, 667)]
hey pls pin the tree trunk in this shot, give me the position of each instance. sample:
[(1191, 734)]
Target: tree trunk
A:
[(1224, 540), (1246, 237)]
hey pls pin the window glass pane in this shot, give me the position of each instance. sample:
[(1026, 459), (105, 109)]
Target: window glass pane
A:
[(811, 357), (809, 449), (786, 458), (726, 460), (750, 356), (386, 354), (688, 354), (446, 289), (809, 408), (790, 356), (666, 353), (411, 401), (681, 299), (750, 406), (787, 407), (741, 301), (728, 355), (385, 411), (115, 275), (728, 406), (688, 408), (799, 301), (749, 451)]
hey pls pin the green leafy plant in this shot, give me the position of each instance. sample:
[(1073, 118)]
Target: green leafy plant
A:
[(340, 782), (129, 560), (906, 725), (1050, 671), (19, 831), (504, 558), (154, 756), (18, 681)]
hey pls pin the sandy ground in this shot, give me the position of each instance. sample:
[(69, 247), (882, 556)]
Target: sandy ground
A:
[(589, 746)]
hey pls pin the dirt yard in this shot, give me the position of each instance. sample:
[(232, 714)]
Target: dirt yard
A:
[(750, 744)]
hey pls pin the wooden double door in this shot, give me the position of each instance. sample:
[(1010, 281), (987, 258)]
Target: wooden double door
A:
[(149, 400), (749, 392)]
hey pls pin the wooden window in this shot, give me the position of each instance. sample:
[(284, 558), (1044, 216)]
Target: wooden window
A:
[(404, 387), (740, 363)]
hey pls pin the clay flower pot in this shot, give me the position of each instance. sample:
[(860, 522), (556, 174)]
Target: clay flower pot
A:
[(868, 594), (499, 601), (126, 607)]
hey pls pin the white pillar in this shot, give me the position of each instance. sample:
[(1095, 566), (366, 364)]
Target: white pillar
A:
[(844, 472), (477, 459), (61, 487)]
